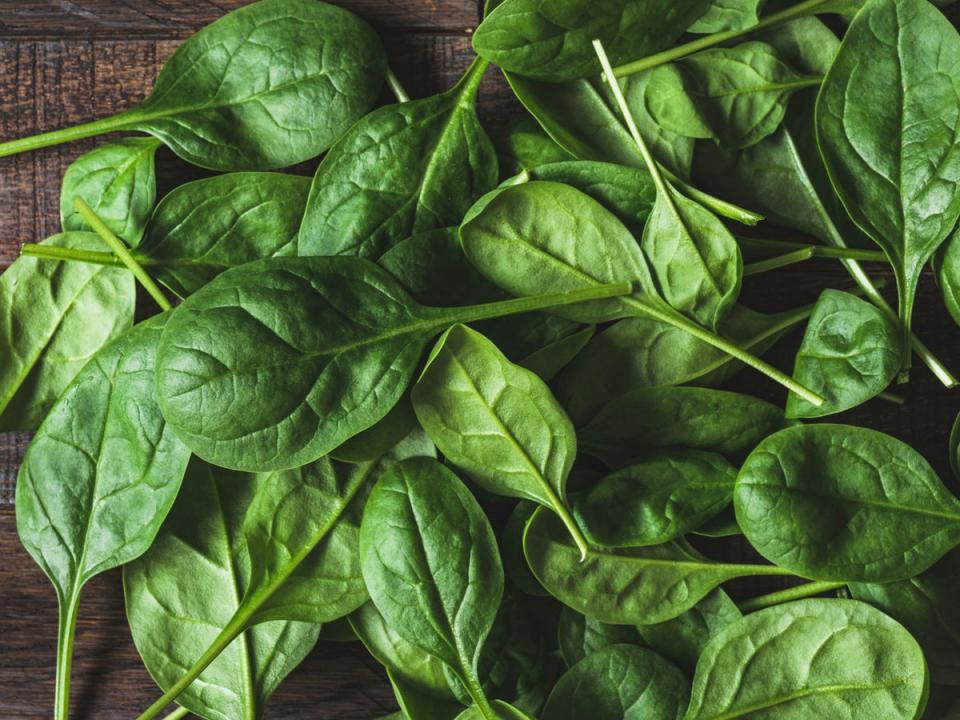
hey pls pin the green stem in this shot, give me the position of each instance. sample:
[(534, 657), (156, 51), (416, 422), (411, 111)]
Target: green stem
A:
[(475, 691), (396, 88), (819, 251), (709, 41), (71, 254), (65, 634), (121, 252), (720, 207), (791, 258), (120, 121), (180, 712), (891, 397), (795, 593), (503, 308), (904, 309)]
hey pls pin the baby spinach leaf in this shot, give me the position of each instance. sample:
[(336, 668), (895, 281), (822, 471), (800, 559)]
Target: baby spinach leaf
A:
[(635, 586), (118, 181), (549, 360), (683, 639), (204, 227), (651, 419), (266, 86), (735, 96), (498, 422), (500, 711), (946, 264), (728, 15), (524, 145), (580, 636), (643, 352), (657, 500), (927, 607), (403, 169), (814, 658), (618, 682), (98, 478), (336, 338), (416, 703), (188, 589), (429, 558), (837, 502), (551, 41), (895, 165), (511, 551), (851, 352), (53, 317)]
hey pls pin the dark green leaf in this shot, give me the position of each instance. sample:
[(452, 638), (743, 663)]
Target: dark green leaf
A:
[(580, 636), (728, 15), (524, 145)]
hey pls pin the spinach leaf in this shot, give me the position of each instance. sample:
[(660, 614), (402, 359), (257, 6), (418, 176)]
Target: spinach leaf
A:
[(429, 558), (735, 96), (335, 338), (551, 41), (204, 227), (683, 639), (268, 85), (53, 317), (619, 682), (511, 551), (946, 265), (728, 15), (549, 360), (416, 703), (651, 419), (837, 502), (814, 658), (851, 352), (403, 169), (888, 135), (498, 422), (524, 145), (500, 711), (118, 181), (643, 352), (635, 586), (580, 636), (657, 500), (98, 478), (188, 589), (927, 607), (954, 447)]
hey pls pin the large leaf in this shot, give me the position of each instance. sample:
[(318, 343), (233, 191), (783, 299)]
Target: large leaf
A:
[(637, 586), (403, 169), (814, 658), (837, 502), (118, 181), (207, 226), (336, 339), (851, 352), (551, 40), (184, 592), (888, 124), (728, 15), (53, 317), (430, 561), (619, 682), (497, 421)]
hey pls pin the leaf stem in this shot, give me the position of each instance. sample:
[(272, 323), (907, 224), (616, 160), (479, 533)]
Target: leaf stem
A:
[(120, 121), (709, 41), (721, 207), (66, 631), (502, 308), (819, 251), (121, 251), (791, 258), (71, 255), (891, 397), (395, 87), (795, 593), (180, 712), (475, 691)]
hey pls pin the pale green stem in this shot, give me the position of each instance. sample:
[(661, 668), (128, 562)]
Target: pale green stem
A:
[(398, 90), (795, 593), (475, 691), (720, 207), (121, 251), (67, 627), (180, 712), (819, 251), (709, 41), (92, 257), (891, 397), (113, 123), (780, 261)]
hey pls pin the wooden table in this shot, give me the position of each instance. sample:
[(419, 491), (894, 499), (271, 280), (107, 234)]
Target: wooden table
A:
[(67, 62)]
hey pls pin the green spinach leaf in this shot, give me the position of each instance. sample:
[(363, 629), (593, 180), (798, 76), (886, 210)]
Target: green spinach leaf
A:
[(53, 317), (888, 122), (403, 169), (580, 636), (842, 503), (814, 658), (851, 352), (118, 181), (728, 15), (657, 500), (620, 682), (266, 86), (524, 145)]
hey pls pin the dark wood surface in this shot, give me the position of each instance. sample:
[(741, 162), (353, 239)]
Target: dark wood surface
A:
[(69, 61)]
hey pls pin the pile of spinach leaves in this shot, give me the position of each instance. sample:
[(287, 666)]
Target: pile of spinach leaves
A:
[(467, 400)]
